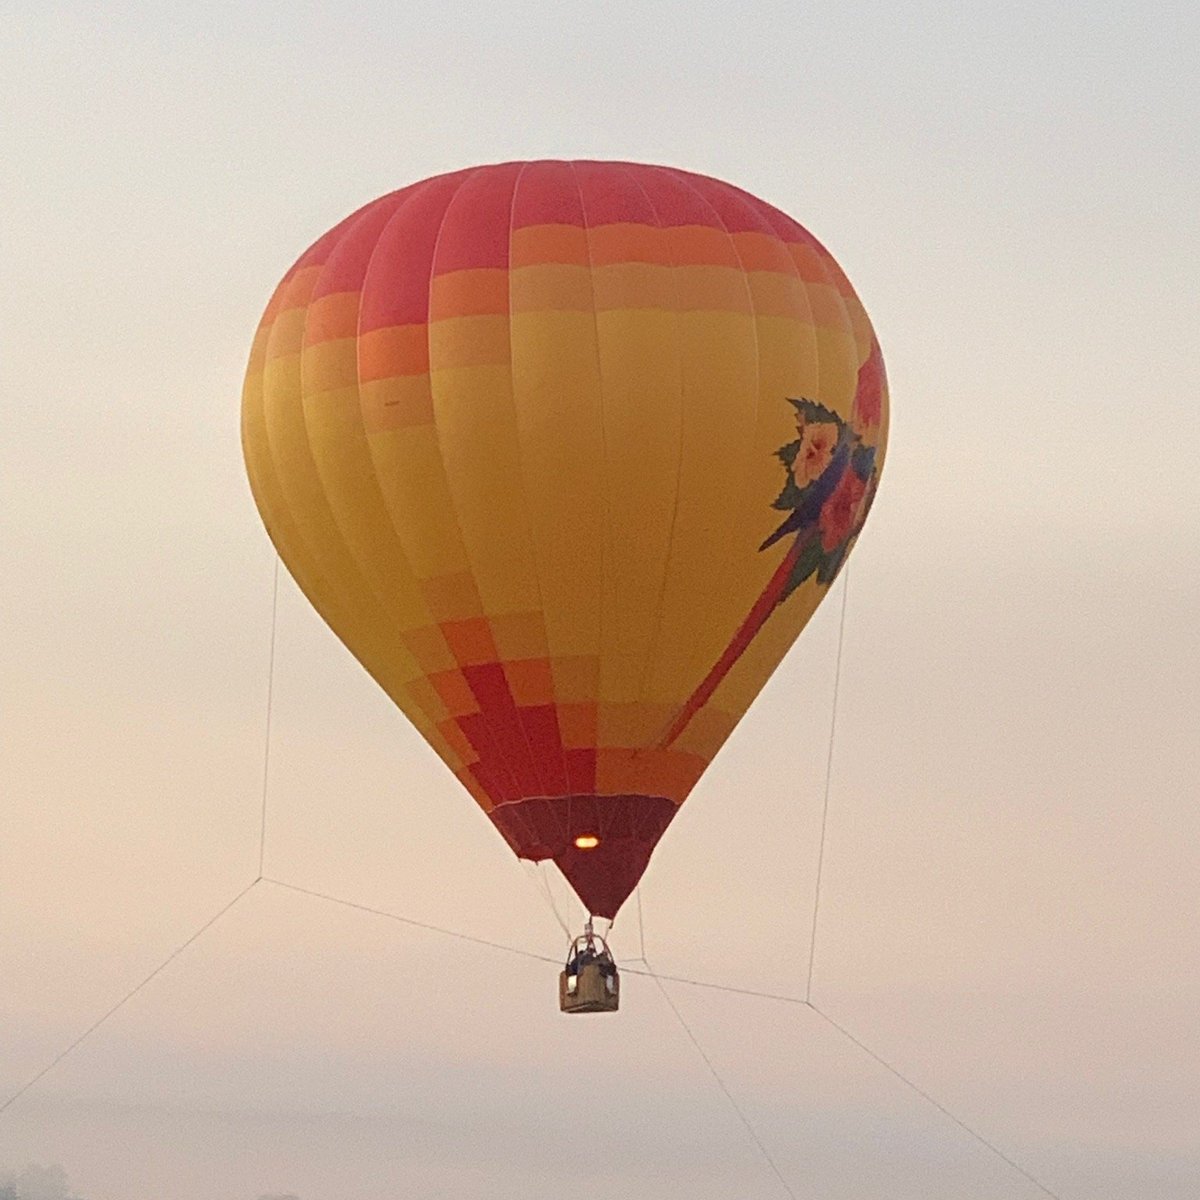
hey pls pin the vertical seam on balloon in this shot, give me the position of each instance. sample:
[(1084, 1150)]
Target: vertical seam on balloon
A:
[(502, 757), (835, 275), (423, 717), (531, 529), (771, 217), (662, 589), (338, 546), (764, 213), (380, 598), (520, 483), (305, 542), (687, 179), (604, 478), (413, 194), (822, 262), (683, 179), (271, 466), (417, 191), (824, 259)]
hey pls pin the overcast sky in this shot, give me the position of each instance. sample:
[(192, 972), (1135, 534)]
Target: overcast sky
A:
[(1011, 885)]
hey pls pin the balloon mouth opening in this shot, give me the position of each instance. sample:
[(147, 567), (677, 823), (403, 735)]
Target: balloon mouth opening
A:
[(601, 843)]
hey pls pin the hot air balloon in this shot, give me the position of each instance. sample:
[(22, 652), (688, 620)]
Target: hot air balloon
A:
[(567, 454)]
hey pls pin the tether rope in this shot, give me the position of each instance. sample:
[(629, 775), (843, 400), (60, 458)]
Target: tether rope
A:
[(713, 987), (659, 980), (266, 771), (126, 998), (391, 916), (837, 680), (887, 1066), (737, 1108)]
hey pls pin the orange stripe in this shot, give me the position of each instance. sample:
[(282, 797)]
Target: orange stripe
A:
[(811, 264), (677, 245), (669, 773), (530, 681), (428, 646), (617, 770), (332, 317), (394, 350), (457, 741), (700, 246), (777, 295), (287, 333), (477, 292), (827, 306), (763, 252), (685, 289), (552, 287), (424, 695), (470, 640), (469, 342), (296, 291), (455, 693), (577, 722), (625, 243), (538, 244)]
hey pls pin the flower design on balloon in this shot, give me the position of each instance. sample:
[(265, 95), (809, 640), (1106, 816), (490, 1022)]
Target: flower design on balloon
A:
[(814, 452), (831, 476), (832, 471)]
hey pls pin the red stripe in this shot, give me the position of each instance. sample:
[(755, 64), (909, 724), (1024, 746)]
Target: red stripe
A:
[(475, 230), (489, 685), (764, 606), (611, 195), (493, 764), (396, 287), (347, 262), (547, 195), (545, 740), (581, 770), (676, 200)]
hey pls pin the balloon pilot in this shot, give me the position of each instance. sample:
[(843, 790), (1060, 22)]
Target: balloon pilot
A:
[(589, 982)]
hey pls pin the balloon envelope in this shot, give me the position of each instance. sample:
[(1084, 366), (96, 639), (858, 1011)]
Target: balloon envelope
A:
[(567, 453)]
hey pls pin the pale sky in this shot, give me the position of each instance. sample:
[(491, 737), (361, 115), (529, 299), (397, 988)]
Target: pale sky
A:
[(1010, 897)]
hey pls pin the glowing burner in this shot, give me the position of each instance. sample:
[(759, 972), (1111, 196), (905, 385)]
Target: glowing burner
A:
[(587, 841)]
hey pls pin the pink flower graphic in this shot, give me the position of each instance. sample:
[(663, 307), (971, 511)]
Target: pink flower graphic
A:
[(840, 511), (817, 442), (868, 395)]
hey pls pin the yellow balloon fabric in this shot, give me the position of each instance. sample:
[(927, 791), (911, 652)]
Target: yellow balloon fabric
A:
[(567, 453)]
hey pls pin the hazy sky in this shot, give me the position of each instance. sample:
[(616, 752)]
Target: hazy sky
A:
[(1011, 890)]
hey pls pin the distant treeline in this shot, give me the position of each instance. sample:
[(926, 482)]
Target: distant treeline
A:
[(36, 1183), (51, 1183)]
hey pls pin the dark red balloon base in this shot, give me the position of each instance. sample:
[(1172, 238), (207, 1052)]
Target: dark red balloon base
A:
[(628, 829)]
